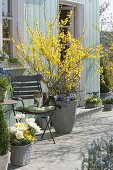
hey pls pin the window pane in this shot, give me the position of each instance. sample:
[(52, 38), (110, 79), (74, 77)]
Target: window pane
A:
[(7, 47), (63, 15), (6, 28), (6, 8)]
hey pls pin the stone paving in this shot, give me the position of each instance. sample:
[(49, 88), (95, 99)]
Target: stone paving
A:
[(67, 153)]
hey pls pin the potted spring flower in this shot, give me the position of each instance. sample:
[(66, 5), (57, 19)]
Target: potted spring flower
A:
[(22, 136), (13, 62), (93, 102), (108, 104), (4, 143), (61, 73)]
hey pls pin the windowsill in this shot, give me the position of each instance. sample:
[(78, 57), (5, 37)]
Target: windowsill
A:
[(14, 68), (10, 66)]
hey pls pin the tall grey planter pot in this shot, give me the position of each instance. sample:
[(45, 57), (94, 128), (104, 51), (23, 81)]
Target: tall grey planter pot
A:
[(64, 118), (21, 155)]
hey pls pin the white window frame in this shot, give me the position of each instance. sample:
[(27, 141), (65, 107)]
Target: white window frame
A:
[(72, 27), (79, 15), (0, 25), (9, 18)]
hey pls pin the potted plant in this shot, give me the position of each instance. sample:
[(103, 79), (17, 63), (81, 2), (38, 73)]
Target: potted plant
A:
[(93, 102), (4, 143), (64, 117), (22, 136), (13, 62), (108, 104), (5, 85), (61, 73)]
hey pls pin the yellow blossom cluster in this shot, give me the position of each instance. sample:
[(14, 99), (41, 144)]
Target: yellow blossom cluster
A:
[(43, 54)]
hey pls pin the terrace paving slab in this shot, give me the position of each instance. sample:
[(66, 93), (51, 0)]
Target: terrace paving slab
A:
[(68, 152)]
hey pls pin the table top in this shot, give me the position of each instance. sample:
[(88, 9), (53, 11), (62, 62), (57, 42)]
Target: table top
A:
[(8, 102)]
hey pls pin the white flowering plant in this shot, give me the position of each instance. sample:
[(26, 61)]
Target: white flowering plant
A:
[(23, 133)]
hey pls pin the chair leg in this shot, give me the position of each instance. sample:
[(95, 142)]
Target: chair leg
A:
[(47, 126)]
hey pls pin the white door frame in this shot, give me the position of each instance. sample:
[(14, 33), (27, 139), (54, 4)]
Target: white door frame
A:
[(1, 25)]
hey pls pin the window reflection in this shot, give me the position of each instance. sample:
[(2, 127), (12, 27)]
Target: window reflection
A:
[(6, 8)]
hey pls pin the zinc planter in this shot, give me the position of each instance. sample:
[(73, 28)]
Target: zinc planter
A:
[(4, 160), (108, 107), (20, 155), (64, 118)]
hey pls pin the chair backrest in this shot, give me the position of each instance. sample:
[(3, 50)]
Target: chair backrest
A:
[(25, 86)]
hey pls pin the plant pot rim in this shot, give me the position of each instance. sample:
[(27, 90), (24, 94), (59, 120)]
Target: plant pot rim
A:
[(22, 145)]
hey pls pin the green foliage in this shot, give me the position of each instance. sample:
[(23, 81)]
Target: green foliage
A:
[(106, 38), (108, 101), (106, 84), (4, 135), (93, 100), (13, 60), (5, 83), (3, 55), (18, 142)]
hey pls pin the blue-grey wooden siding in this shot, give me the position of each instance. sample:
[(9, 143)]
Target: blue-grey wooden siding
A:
[(92, 78), (47, 9), (41, 10)]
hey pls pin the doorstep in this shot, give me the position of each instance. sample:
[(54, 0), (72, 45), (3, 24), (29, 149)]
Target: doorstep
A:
[(83, 112)]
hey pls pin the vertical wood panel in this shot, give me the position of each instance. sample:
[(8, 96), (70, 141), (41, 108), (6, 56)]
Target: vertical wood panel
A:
[(36, 13), (92, 36)]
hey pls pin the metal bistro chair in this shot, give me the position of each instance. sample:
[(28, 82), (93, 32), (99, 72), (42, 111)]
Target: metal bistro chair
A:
[(24, 88)]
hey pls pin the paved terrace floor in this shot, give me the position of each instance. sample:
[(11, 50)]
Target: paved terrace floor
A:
[(67, 153)]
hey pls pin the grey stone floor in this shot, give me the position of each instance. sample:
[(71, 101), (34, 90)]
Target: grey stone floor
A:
[(67, 153)]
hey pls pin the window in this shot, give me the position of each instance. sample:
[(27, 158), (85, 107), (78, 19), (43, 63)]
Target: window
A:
[(7, 25), (70, 26)]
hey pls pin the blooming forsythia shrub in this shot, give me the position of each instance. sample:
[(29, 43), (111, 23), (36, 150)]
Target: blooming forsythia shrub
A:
[(44, 55)]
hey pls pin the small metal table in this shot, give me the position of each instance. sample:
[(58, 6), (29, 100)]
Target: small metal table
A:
[(8, 102)]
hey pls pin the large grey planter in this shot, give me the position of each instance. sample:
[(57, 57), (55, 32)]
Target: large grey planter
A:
[(20, 155), (64, 118), (108, 107)]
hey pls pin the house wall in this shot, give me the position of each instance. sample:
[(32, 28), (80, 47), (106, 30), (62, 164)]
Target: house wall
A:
[(41, 10), (87, 16), (92, 78)]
